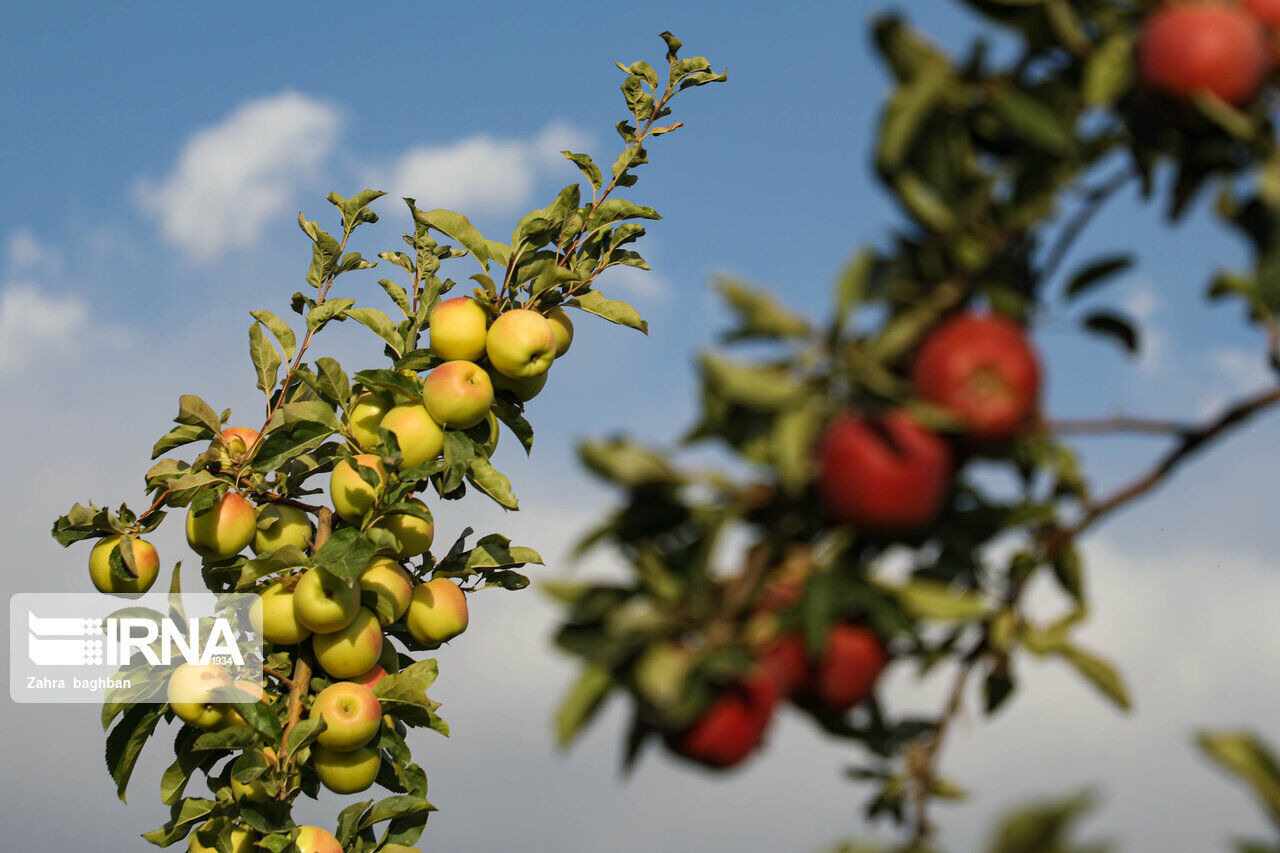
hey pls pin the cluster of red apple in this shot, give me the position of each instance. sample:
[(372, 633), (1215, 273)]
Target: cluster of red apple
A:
[(884, 474), (1224, 48)]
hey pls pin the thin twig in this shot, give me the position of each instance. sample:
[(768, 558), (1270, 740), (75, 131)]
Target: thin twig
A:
[(1118, 424), (1094, 199)]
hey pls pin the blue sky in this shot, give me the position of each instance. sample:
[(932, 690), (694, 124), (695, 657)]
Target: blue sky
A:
[(156, 156)]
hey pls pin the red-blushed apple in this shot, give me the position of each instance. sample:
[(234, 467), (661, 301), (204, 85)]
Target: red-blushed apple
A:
[(437, 612), (280, 525), (850, 665), (375, 674), (352, 496), (223, 530), (522, 390), (420, 438), (983, 370), (458, 394), (410, 534), (561, 328), (255, 791), (234, 443), (323, 604), (390, 587), (1213, 47), (249, 690), (351, 713), (145, 560), (346, 772), (241, 842), (521, 344), (351, 651), (313, 839), (273, 616), (365, 417), (458, 328), (886, 475), (788, 660), (733, 726), (190, 690), (1268, 14)]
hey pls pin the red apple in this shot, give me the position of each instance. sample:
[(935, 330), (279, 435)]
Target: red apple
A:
[(982, 369), (733, 725), (788, 660), (850, 665), (888, 475), (1212, 47)]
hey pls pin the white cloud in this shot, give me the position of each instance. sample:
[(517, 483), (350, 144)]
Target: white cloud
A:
[(34, 323), (26, 251), (481, 174), (1235, 371), (634, 282), (234, 178), (1143, 304)]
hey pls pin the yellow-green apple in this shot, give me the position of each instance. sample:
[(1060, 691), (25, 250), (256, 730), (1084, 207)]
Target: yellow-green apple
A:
[(420, 438), (375, 674), (352, 496), (223, 530), (562, 328), (412, 535), (390, 587), (190, 693), (257, 789), (437, 612), (522, 390), (280, 525), (145, 560), (458, 394), (240, 843), (521, 344), (351, 651), (323, 604), (458, 329), (313, 839), (274, 618), (352, 716), (364, 418), (346, 772)]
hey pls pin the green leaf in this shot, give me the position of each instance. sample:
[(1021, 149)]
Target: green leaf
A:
[(1096, 273), (1100, 674), (1041, 828), (626, 463), (345, 555), (126, 740), (1034, 121), (757, 386), (266, 359), (380, 324), (612, 310), (926, 599), (759, 314), (278, 327), (1108, 71), (192, 411), (495, 551), (1114, 326), (458, 227), (1246, 757), (588, 167), (330, 309), (179, 436), (492, 482), (580, 704), (618, 209)]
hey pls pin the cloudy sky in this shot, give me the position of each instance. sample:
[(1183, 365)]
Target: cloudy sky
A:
[(156, 157)]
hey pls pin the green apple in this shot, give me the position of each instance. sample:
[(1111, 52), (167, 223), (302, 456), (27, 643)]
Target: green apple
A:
[(412, 535), (437, 612), (190, 693), (352, 496), (313, 839), (273, 616), (224, 530), (561, 328), (364, 418), (351, 651), (240, 843), (322, 604), (145, 560), (346, 772), (523, 390), (255, 791), (521, 344), (352, 716), (280, 525), (458, 329), (420, 438), (390, 586), (458, 394)]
